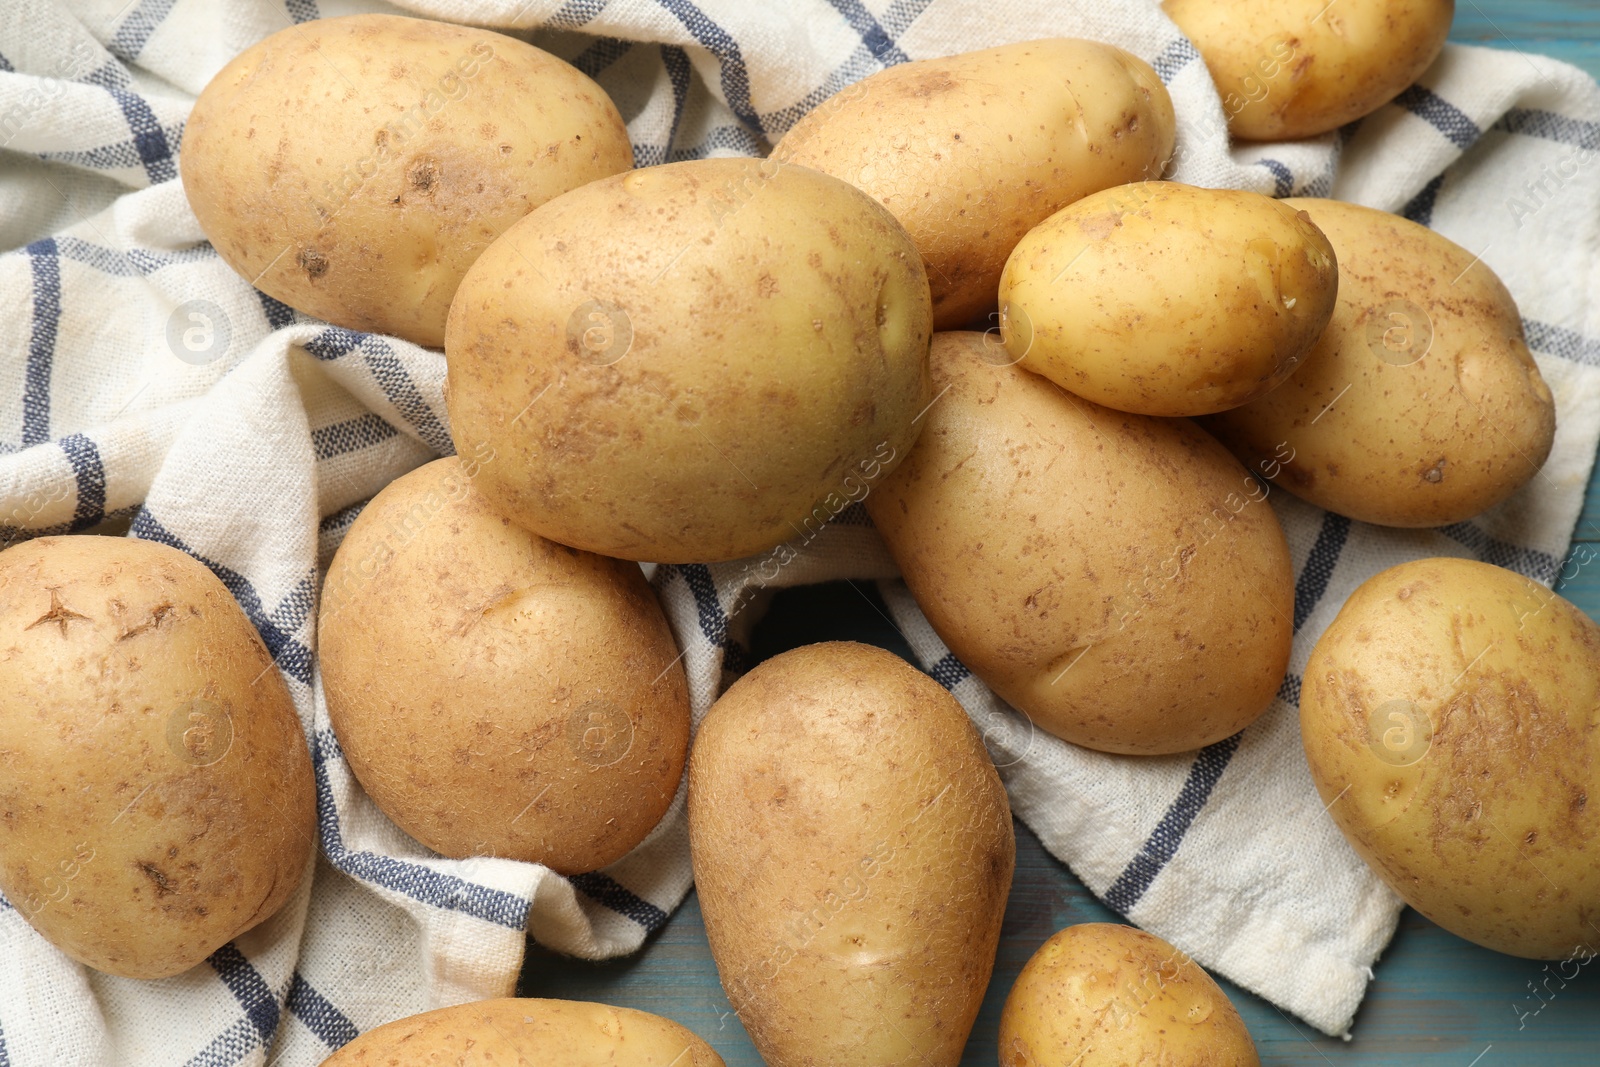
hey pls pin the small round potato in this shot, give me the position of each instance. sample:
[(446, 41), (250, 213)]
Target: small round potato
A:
[(852, 848), (679, 364), (1289, 69), (971, 151), (1103, 995), (497, 694), (1451, 718), (1118, 578), (156, 796), (355, 167), (543, 1033), (1166, 299), (1421, 404)]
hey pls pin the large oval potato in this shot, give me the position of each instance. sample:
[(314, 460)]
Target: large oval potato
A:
[(677, 365), (495, 693), (1166, 299), (1451, 717), (852, 848), (1288, 69), (1104, 995), (1421, 404), (1118, 578), (355, 167), (971, 151), (155, 783), (543, 1033)]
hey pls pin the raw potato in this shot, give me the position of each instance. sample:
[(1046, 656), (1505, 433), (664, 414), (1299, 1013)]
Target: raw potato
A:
[(684, 364), (518, 1033), (1288, 69), (852, 848), (1166, 299), (1451, 717), (355, 167), (495, 693), (1421, 405), (971, 151), (1118, 578), (156, 793), (1103, 995)]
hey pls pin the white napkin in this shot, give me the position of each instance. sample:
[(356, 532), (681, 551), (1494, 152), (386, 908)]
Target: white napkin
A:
[(143, 381)]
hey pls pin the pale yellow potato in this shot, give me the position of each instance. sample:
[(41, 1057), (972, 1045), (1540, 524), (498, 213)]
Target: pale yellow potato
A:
[(971, 151), (1421, 404), (156, 788), (528, 1033), (852, 849), (498, 694), (683, 364), (354, 167), (1167, 299), (1118, 578), (1451, 718), (1288, 69), (1104, 995)]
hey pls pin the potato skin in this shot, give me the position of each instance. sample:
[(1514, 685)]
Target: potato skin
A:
[(852, 848), (677, 365), (355, 167), (1451, 708), (511, 1033), (1104, 995), (1166, 299), (156, 796), (1368, 429), (1289, 69), (532, 705), (1088, 564), (971, 151)]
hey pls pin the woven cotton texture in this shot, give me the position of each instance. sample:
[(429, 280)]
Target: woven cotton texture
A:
[(251, 435)]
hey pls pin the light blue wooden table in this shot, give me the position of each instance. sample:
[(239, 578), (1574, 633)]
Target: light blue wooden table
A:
[(1437, 1001)]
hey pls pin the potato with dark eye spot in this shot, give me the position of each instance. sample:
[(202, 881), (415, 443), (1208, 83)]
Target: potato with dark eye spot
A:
[(1451, 719), (852, 848), (156, 796), (354, 167), (971, 151)]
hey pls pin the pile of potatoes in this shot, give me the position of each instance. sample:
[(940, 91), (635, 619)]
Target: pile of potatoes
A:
[(687, 363)]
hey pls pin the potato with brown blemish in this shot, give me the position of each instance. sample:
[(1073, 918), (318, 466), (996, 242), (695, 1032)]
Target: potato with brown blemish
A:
[(1167, 299), (684, 363), (156, 796), (1421, 404), (1104, 995), (852, 848), (355, 167), (498, 694), (1451, 718), (971, 151), (1288, 69), (1118, 578), (516, 1033)]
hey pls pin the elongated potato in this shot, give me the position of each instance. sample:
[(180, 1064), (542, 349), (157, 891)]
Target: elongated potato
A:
[(1451, 718), (156, 796), (531, 705), (852, 847), (679, 364), (1103, 995), (355, 167), (1167, 299), (545, 1033), (971, 151), (1119, 578), (1420, 405), (1289, 69)]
